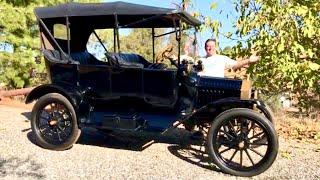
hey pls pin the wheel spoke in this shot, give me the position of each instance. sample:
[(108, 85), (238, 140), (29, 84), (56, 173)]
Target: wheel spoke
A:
[(43, 129), (228, 135), (256, 152), (43, 125), (231, 127), (258, 143), (52, 107), (251, 127), (63, 131), (225, 150), (249, 156), (47, 133), (66, 123), (234, 153), (59, 137), (238, 126), (257, 135), (244, 127), (241, 152)]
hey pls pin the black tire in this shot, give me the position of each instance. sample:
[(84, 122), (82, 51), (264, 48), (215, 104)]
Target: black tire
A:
[(237, 125), (59, 129)]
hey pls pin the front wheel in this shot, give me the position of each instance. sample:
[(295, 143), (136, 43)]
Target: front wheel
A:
[(54, 122), (242, 142)]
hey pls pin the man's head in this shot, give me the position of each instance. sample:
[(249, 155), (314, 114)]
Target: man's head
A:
[(210, 47)]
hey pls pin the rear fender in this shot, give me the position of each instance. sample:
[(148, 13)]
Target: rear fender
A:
[(73, 96)]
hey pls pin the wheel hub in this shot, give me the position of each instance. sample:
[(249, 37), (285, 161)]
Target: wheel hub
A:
[(241, 145), (53, 122)]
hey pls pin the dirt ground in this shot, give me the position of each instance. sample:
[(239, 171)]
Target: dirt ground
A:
[(130, 156)]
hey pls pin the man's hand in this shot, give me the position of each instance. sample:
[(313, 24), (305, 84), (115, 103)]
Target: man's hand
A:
[(254, 58)]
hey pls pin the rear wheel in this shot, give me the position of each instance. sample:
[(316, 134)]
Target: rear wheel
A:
[(54, 122), (242, 142)]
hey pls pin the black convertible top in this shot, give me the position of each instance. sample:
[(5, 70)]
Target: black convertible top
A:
[(127, 13), (83, 18)]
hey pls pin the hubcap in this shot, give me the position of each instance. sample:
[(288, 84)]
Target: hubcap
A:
[(241, 145)]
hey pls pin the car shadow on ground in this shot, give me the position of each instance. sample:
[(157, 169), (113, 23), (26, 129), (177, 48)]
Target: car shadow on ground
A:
[(134, 141), (180, 142), (194, 155), (27, 115)]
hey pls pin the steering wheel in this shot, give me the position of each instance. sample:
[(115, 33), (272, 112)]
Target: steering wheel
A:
[(166, 53)]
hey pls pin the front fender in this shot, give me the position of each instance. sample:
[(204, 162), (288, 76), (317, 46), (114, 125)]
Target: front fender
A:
[(230, 102), (215, 108), (70, 93)]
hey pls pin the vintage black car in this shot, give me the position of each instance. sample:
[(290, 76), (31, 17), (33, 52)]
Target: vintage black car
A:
[(128, 92)]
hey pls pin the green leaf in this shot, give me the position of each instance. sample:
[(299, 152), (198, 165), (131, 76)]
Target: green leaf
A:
[(280, 47), (314, 66)]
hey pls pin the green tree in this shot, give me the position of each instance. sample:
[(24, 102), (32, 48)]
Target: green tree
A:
[(139, 41), (228, 51), (19, 28), (286, 34), (22, 34)]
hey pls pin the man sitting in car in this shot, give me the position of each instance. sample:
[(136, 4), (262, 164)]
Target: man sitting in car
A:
[(214, 64)]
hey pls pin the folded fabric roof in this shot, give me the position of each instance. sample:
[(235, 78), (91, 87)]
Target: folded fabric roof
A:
[(127, 13)]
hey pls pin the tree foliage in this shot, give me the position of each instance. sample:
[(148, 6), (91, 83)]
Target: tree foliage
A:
[(139, 41), (18, 27), (286, 34), (22, 34)]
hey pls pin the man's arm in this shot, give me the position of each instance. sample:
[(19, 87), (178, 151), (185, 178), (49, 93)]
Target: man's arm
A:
[(245, 62)]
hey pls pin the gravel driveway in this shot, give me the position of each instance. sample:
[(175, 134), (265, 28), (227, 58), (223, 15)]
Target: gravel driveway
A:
[(127, 156)]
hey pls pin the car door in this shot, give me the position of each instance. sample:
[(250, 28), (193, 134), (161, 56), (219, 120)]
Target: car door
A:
[(160, 87), (97, 78), (126, 81)]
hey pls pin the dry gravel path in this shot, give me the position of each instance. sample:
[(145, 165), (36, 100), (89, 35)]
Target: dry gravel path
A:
[(122, 156)]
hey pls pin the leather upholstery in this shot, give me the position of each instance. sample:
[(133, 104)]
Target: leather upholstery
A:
[(129, 60), (125, 60), (54, 55), (81, 57), (157, 66)]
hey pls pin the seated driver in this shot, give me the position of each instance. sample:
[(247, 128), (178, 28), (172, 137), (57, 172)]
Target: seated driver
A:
[(215, 64)]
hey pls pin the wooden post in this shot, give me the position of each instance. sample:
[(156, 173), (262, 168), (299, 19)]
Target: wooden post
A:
[(245, 90)]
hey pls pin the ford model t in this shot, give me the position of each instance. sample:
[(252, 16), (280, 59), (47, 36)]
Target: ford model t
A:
[(128, 92)]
